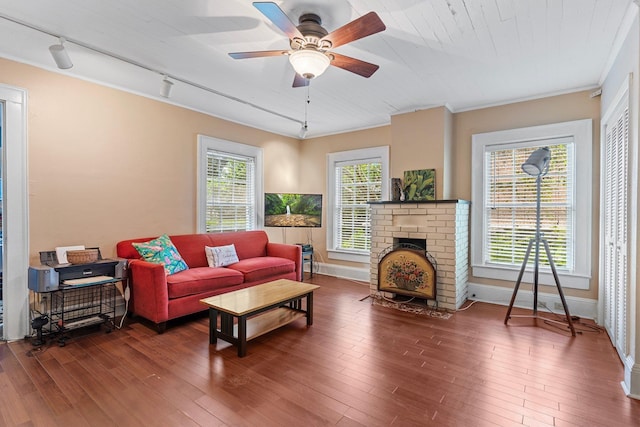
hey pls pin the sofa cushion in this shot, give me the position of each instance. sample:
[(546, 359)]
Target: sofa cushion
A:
[(248, 244), (263, 267), (191, 247), (220, 256), (162, 251), (201, 279)]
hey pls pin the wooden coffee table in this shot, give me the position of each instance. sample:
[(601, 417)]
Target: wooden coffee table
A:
[(258, 310)]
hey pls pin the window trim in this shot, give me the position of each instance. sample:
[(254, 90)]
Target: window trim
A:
[(16, 211), (206, 143), (581, 132), (351, 156)]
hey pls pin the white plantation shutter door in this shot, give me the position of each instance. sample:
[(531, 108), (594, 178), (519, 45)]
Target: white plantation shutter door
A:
[(510, 208), (615, 264), (230, 193), (356, 184)]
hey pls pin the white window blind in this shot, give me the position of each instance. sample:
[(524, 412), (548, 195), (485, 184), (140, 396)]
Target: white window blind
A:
[(510, 207), (356, 183), (230, 192)]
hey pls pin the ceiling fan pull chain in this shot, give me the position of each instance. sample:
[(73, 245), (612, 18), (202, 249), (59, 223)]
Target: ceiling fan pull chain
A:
[(308, 106), (305, 126)]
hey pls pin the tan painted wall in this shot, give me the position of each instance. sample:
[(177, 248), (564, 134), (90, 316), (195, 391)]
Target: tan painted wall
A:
[(447, 175), (418, 141), (313, 176), (543, 111), (105, 165), (435, 137)]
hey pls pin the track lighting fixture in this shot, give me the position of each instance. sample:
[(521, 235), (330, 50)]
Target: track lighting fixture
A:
[(60, 55), (303, 131), (165, 88)]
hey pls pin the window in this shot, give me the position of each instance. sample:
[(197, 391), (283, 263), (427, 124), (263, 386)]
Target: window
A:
[(229, 185), (504, 203), (510, 211), (355, 178)]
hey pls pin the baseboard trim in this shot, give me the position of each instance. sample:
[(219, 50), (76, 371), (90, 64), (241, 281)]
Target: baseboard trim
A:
[(631, 383), (582, 307), (342, 271)]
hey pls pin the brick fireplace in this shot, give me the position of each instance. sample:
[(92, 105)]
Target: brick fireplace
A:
[(443, 225)]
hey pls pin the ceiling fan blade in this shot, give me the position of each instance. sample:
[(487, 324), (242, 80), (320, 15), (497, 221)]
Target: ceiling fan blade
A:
[(356, 29), (365, 69), (278, 17), (258, 54), (299, 81)]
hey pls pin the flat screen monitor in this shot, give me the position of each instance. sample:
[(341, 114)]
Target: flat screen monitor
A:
[(292, 210)]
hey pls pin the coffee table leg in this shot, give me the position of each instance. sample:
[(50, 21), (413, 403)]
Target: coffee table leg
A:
[(242, 336), (310, 309), (213, 325)]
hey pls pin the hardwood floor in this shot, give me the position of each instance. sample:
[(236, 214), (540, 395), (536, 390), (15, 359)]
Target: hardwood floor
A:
[(358, 365)]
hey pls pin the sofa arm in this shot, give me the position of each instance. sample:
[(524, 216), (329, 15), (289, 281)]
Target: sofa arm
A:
[(149, 290), (292, 252)]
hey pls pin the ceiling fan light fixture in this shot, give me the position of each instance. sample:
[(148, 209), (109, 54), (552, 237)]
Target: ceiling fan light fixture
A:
[(309, 63)]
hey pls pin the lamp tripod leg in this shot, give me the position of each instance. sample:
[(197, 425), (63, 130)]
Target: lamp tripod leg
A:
[(555, 276), (515, 290)]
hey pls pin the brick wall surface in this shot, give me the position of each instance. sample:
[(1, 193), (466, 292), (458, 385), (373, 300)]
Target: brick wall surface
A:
[(445, 227)]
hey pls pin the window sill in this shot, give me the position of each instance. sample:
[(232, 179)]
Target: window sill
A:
[(364, 258), (545, 277)]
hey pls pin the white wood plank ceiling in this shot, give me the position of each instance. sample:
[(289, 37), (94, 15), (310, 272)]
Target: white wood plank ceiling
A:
[(464, 54)]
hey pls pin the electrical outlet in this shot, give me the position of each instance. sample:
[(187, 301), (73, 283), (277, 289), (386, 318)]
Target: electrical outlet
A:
[(558, 306)]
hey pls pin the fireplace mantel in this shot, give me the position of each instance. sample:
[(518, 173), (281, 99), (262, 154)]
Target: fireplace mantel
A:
[(443, 224), (413, 202)]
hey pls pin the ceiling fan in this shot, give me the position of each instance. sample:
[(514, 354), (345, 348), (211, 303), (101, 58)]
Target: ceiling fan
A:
[(311, 45)]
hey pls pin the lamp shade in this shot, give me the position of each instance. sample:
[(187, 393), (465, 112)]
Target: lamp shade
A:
[(309, 63), (538, 162), (61, 56)]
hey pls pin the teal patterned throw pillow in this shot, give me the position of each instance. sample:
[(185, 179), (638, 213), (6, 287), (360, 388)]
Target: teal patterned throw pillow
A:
[(162, 251)]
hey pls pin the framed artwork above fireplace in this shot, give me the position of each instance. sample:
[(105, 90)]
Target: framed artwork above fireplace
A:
[(420, 185)]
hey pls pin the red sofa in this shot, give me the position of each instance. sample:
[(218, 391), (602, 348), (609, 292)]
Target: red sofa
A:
[(159, 298)]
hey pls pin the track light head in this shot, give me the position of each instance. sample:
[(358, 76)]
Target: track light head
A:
[(165, 88), (60, 55), (303, 131)]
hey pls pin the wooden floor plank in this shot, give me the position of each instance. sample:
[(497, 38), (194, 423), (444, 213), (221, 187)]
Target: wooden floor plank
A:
[(358, 365)]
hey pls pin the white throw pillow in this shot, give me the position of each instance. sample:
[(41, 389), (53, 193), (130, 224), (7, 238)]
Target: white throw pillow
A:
[(219, 256)]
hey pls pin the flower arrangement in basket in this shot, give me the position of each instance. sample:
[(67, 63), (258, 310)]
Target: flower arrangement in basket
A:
[(405, 274)]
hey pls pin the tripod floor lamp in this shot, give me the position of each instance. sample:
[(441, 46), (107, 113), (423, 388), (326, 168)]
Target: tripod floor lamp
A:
[(538, 165)]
